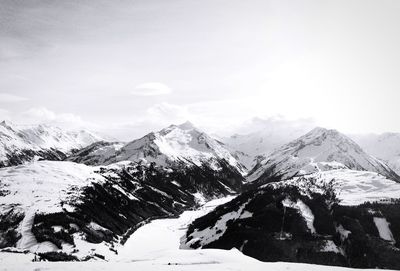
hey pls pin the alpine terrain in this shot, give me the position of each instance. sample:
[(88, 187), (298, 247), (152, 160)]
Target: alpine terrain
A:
[(319, 150), (319, 199), (19, 144), (72, 211)]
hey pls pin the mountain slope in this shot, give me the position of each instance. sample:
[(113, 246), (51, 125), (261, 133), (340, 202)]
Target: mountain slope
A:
[(97, 153), (318, 150), (19, 144), (59, 206), (325, 218)]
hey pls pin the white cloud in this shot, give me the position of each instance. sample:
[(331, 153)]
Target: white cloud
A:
[(167, 112), (151, 89), (11, 98), (37, 115)]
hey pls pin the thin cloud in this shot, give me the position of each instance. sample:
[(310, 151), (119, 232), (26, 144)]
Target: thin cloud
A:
[(11, 98), (151, 89), (38, 115)]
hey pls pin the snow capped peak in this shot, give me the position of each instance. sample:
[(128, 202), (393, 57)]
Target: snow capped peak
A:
[(319, 150), (321, 131), (324, 133), (179, 144), (328, 140)]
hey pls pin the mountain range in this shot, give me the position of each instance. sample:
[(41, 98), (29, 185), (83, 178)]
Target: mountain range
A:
[(89, 194), (19, 144)]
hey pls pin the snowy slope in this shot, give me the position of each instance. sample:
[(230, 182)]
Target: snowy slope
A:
[(46, 186), (97, 153), (182, 145), (47, 137), (318, 150), (19, 144), (385, 146), (351, 186)]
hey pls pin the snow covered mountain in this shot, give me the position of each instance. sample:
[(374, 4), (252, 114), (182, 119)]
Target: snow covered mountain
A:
[(19, 144), (337, 217), (175, 146), (318, 150), (385, 146)]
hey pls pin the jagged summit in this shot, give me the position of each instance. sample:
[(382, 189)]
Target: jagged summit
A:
[(319, 150)]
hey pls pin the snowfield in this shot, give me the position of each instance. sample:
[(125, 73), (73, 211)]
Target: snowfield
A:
[(352, 187), (45, 186), (207, 260)]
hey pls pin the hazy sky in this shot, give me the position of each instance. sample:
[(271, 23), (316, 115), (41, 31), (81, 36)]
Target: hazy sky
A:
[(127, 67)]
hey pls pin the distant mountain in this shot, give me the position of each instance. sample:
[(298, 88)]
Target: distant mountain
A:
[(337, 217), (19, 144), (385, 146), (262, 136), (318, 150), (175, 146)]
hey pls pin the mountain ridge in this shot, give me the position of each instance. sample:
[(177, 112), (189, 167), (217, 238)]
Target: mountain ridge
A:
[(318, 150), (19, 144), (179, 145)]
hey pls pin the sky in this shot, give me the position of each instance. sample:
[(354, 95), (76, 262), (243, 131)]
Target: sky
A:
[(129, 67)]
